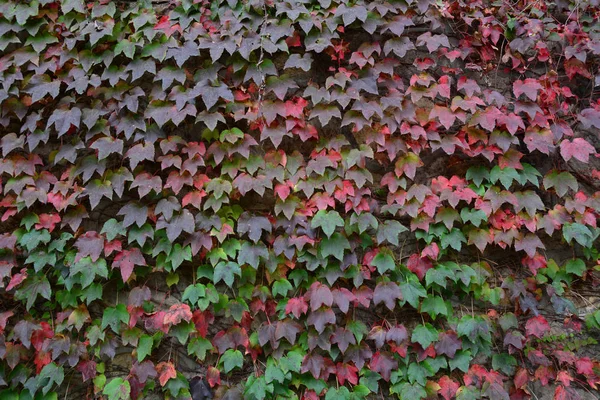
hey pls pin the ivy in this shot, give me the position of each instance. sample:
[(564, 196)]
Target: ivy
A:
[(314, 199)]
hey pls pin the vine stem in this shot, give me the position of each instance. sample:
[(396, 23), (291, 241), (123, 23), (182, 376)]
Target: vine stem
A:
[(262, 85)]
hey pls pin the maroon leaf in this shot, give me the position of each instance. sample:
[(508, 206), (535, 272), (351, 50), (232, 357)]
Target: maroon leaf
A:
[(383, 363), (388, 293)]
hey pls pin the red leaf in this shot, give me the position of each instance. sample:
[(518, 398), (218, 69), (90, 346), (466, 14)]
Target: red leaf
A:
[(48, 221), (89, 244), (296, 306), (178, 313), (319, 295), (4, 319), (346, 372), (213, 376), (17, 279), (166, 371), (126, 260), (87, 369), (584, 366), (537, 326), (388, 293), (578, 148), (448, 387), (529, 87), (419, 265), (564, 377), (566, 393), (384, 363), (534, 263)]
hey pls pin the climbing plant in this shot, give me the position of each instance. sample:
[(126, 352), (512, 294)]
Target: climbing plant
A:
[(298, 199)]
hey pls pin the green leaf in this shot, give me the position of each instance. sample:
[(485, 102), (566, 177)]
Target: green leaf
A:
[(413, 392), (438, 275), (334, 246), (193, 293), (576, 267), (504, 363), (412, 291), (117, 389), (478, 174), (390, 231), (273, 372), (341, 393), (461, 361), (33, 239), (455, 238), (178, 255), (327, 221), (52, 374), (358, 328), (506, 176), (113, 316), (292, 361), (256, 388), (232, 359), (424, 335), (384, 262), (581, 233), (434, 306), (473, 216), (561, 182), (417, 373), (281, 287), (226, 272), (32, 288), (199, 346), (144, 347)]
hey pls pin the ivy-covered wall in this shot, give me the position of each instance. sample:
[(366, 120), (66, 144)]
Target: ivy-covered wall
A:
[(299, 199)]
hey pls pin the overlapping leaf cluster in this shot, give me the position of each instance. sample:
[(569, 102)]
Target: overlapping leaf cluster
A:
[(297, 199)]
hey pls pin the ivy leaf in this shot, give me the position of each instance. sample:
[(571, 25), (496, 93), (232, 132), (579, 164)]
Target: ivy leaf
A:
[(581, 233), (448, 387), (256, 388), (343, 338), (334, 246), (424, 335), (384, 262), (578, 148), (296, 306), (32, 288), (89, 244), (387, 293), (320, 295), (106, 146), (73, 5), (117, 389), (589, 118), (226, 272), (576, 266), (383, 363), (390, 231), (178, 313), (232, 359), (537, 326), (166, 371), (529, 87), (448, 343), (434, 306), (327, 221), (561, 182), (126, 260), (114, 316), (320, 318)]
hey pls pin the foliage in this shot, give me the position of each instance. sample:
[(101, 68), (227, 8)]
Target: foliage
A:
[(236, 182)]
